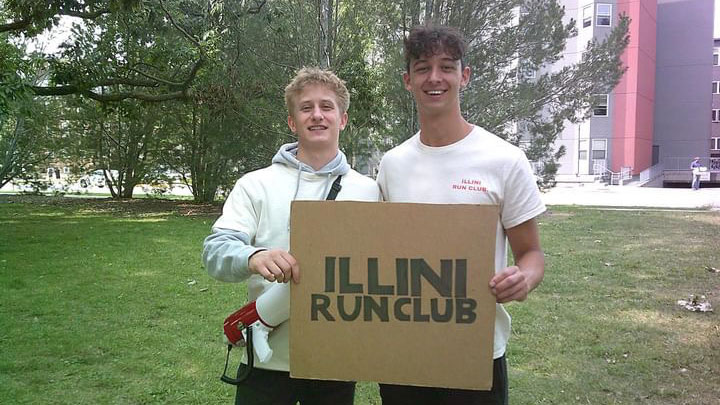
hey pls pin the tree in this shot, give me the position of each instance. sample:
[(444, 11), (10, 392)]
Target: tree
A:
[(183, 55), (92, 62), (29, 125), (120, 138)]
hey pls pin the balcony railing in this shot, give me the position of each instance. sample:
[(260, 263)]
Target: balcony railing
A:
[(683, 163)]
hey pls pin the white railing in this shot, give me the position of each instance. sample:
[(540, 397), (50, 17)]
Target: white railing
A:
[(714, 165), (612, 178), (651, 173)]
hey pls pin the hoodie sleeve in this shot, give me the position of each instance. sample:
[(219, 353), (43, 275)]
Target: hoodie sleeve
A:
[(226, 253), (227, 250)]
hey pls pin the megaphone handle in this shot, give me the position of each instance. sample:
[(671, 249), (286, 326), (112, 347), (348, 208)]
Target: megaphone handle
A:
[(251, 361)]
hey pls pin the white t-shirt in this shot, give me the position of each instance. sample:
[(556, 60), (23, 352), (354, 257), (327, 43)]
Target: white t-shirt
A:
[(479, 169)]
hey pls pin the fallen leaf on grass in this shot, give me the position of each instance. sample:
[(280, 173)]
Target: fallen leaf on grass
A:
[(203, 289), (712, 269), (696, 304), (191, 282)]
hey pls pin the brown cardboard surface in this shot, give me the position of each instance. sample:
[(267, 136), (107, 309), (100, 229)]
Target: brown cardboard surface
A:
[(420, 251)]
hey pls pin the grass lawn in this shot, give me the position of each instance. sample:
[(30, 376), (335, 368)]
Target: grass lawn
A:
[(107, 302)]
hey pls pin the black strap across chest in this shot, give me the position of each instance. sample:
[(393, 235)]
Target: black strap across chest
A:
[(334, 189)]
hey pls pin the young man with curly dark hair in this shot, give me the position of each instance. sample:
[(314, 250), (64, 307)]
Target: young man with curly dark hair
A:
[(446, 153)]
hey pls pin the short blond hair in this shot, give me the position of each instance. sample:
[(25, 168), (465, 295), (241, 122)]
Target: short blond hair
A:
[(309, 76)]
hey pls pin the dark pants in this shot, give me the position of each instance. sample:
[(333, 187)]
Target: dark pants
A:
[(404, 394), (276, 387)]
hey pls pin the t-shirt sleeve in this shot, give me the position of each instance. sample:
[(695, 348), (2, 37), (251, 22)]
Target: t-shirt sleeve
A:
[(522, 197)]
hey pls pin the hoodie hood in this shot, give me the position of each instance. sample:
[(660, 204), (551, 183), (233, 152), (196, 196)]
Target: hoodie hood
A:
[(287, 155)]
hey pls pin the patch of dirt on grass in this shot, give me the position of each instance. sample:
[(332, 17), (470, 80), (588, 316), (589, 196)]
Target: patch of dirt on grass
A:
[(126, 207)]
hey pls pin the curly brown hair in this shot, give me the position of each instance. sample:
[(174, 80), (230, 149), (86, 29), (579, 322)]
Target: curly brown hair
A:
[(429, 40)]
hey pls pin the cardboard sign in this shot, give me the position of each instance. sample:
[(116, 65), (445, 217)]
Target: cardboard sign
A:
[(393, 293)]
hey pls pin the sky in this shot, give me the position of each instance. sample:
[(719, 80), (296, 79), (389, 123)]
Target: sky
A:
[(49, 44)]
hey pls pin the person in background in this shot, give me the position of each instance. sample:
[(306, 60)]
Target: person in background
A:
[(695, 166)]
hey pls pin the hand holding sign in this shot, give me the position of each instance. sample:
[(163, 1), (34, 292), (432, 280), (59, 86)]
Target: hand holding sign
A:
[(514, 283), (275, 265)]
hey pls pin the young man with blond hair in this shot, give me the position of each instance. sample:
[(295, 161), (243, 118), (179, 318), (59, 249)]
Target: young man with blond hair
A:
[(446, 152), (250, 240)]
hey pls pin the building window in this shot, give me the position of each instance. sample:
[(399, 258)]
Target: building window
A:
[(714, 143), (582, 149), (715, 115), (716, 57), (716, 87), (603, 15), (600, 105), (599, 149), (587, 16)]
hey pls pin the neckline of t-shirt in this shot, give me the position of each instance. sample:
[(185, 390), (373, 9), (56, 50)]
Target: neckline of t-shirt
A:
[(447, 148)]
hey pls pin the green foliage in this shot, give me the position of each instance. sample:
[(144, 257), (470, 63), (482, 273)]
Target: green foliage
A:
[(29, 133), (31, 17), (12, 88), (218, 69)]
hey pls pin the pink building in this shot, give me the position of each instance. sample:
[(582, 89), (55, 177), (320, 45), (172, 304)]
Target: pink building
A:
[(655, 120), (634, 96)]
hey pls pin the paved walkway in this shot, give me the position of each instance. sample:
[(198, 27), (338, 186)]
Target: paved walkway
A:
[(629, 196)]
